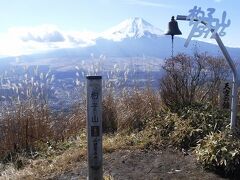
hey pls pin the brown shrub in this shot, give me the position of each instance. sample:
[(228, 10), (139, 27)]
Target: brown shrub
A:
[(191, 79), (109, 116), (23, 126)]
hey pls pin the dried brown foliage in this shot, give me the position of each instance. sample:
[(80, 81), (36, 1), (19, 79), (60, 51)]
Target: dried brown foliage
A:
[(191, 79), (21, 128), (136, 108), (110, 113)]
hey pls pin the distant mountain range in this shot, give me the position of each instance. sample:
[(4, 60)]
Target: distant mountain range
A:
[(134, 37)]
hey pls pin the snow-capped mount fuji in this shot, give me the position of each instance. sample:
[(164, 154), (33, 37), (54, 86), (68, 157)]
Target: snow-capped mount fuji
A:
[(135, 37), (132, 38), (132, 28)]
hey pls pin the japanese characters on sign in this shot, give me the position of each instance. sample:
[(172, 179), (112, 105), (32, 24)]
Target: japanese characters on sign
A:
[(94, 105), (205, 24), (225, 95)]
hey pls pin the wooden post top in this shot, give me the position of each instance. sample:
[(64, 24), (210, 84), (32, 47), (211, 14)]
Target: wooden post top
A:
[(94, 77)]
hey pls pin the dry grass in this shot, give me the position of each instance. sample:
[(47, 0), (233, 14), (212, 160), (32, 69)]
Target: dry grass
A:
[(108, 177), (158, 126), (23, 127), (110, 113), (54, 161), (26, 119), (59, 164), (124, 141), (39, 143), (25, 116), (59, 159), (12, 173), (47, 144), (45, 168), (135, 108), (135, 120)]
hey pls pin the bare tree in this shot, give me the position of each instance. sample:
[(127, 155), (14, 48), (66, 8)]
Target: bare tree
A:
[(218, 72), (192, 78)]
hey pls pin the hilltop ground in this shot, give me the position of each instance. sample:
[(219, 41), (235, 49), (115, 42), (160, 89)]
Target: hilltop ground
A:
[(120, 162), (143, 165), (163, 145)]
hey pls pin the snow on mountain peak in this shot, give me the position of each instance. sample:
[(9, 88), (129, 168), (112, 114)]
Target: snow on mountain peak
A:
[(132, 28)]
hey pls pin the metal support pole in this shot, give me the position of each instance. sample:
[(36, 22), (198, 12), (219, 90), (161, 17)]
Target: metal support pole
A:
[(234, 82), (94, 127), (233, 68), (172, 44)]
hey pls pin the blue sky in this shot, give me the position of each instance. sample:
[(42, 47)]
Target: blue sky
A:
[(86, 16)]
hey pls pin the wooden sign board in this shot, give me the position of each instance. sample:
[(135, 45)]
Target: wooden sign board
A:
[(226, 95), (94, 127)]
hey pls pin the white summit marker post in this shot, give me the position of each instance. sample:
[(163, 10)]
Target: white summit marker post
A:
[(94, 127)]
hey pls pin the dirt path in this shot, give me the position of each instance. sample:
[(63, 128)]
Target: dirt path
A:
[(142, 165)]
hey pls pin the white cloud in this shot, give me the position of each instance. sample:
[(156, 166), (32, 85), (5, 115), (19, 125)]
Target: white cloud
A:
[(25, 40), (82, 37), (148, 3), (44, 33), (217, 0), (53, 36)]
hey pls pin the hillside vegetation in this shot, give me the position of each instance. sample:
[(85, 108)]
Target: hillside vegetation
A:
[(183, 114)]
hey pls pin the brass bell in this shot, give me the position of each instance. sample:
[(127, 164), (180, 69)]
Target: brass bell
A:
[(173, 28)]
